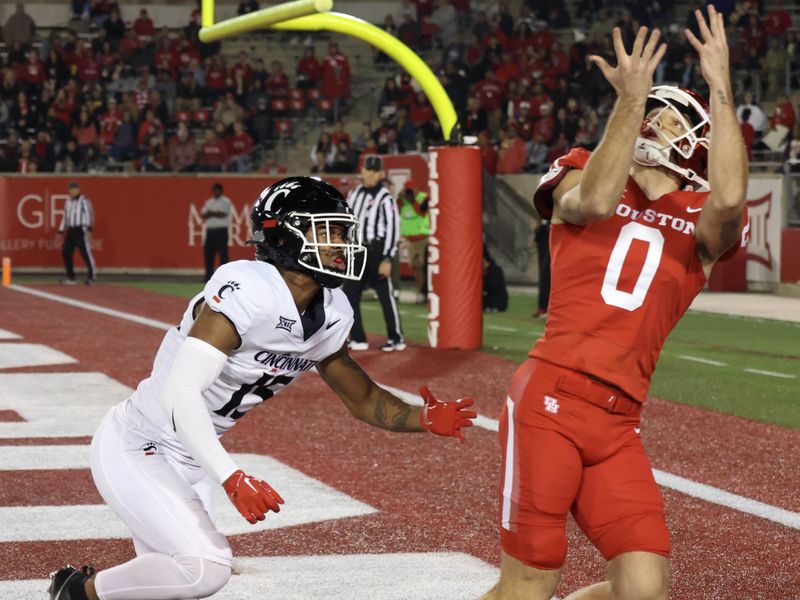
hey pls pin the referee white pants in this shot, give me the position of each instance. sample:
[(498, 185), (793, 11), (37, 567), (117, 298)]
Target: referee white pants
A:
[(167, 506)]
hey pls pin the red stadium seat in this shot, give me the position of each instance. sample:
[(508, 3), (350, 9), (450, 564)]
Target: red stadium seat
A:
[(314, 94), (183, 116), (283, 129), (325, 106), (279, 106), (297, 94), (201, 116), (297, 106)]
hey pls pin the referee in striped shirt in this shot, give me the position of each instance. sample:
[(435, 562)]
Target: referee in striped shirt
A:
[(76, 223), (377, 213)]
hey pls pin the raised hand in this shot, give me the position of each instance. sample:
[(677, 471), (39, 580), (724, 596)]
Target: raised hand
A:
[(633, 75), (713, 50), (252, 497), (445, 418)]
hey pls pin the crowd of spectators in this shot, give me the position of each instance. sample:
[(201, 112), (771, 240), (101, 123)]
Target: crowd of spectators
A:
[(121, 94), (522, 85)]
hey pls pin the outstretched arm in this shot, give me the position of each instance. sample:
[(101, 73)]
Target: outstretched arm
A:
[(720, 224), (593, 196), (365, 399), (374, 405)]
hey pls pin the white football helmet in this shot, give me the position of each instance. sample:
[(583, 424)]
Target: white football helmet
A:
[(685, 153)]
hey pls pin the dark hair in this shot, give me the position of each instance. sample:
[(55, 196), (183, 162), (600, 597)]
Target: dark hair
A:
[(746, 115), (217, 187)]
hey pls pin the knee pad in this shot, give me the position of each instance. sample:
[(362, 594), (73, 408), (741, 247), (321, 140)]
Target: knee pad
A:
[(204, 577), (538, 547)]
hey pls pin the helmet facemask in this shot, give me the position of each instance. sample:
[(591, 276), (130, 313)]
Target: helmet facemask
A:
[(320, 228), (296, 239), (684, 153)]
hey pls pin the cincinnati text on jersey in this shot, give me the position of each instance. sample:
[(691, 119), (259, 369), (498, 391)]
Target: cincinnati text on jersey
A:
[(285, 362)]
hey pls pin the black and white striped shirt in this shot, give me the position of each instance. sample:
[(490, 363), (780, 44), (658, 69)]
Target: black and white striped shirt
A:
[(377, 213), (77, 213)]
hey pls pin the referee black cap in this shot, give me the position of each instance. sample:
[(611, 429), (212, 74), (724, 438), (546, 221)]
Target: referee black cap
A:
[(73, 184), (217, 187), (373, 163)]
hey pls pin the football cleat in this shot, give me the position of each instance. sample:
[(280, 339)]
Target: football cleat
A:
[(61, 580), (394, 346)]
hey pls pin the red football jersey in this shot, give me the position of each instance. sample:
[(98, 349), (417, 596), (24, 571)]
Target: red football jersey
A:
[(619, 286)]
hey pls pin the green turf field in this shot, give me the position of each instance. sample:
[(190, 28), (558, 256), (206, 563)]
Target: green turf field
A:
[(735, 342)]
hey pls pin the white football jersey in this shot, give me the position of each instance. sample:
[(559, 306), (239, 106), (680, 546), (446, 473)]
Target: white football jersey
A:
[(278, 345)]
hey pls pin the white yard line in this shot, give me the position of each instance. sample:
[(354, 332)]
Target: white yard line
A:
[(705, 361), (770, 373), (716, 363), (668, 480)]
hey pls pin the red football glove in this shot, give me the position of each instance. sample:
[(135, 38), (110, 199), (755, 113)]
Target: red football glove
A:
[(251, 497), (445, 418)]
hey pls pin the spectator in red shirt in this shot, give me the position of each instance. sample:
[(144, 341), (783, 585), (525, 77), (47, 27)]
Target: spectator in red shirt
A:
[(143, 26), (88, 67), (109, 121), (339, 134), (216, 79), (748, 133), (32, 74), (336, 78), (492, 95), (783, 114), (129, 45), (511, 156), (150, 126), (271, 164), (242, 75), (213, 153), (488, 153), (277, 83), (506, 69), (84, 132), (182, 150), (545, 124), (309, 69), (240, 148)]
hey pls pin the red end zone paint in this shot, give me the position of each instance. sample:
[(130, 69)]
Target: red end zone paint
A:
[(10, 416), (433, 493)]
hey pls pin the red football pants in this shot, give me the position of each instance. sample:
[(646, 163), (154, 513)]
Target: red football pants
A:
[(571, 444)]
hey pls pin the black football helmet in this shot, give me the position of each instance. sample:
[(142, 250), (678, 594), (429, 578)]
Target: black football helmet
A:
[(288, 220)]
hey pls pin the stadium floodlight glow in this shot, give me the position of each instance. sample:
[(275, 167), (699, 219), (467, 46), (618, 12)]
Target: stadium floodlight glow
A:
[(259, 19), (312, 15)]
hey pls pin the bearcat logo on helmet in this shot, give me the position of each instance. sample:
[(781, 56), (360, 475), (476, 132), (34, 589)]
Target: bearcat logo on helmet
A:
[(294, 222)]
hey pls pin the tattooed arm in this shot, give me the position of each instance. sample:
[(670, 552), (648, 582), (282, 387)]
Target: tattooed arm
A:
[(720, 224), (364, 398)]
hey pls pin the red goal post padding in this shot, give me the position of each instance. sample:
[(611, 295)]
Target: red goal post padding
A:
[(455, 248)]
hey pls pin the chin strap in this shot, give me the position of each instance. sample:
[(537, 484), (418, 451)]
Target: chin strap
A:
[(649, 153)]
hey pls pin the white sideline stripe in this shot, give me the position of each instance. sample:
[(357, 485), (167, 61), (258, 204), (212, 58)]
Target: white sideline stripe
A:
[(9, 335), (770, 373), (674, 482), (705, 361), (723, 498), (440, 575), (307, 501), (15, 355), (94, 308)]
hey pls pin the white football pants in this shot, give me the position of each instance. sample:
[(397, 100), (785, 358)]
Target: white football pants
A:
[(167, 507)]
